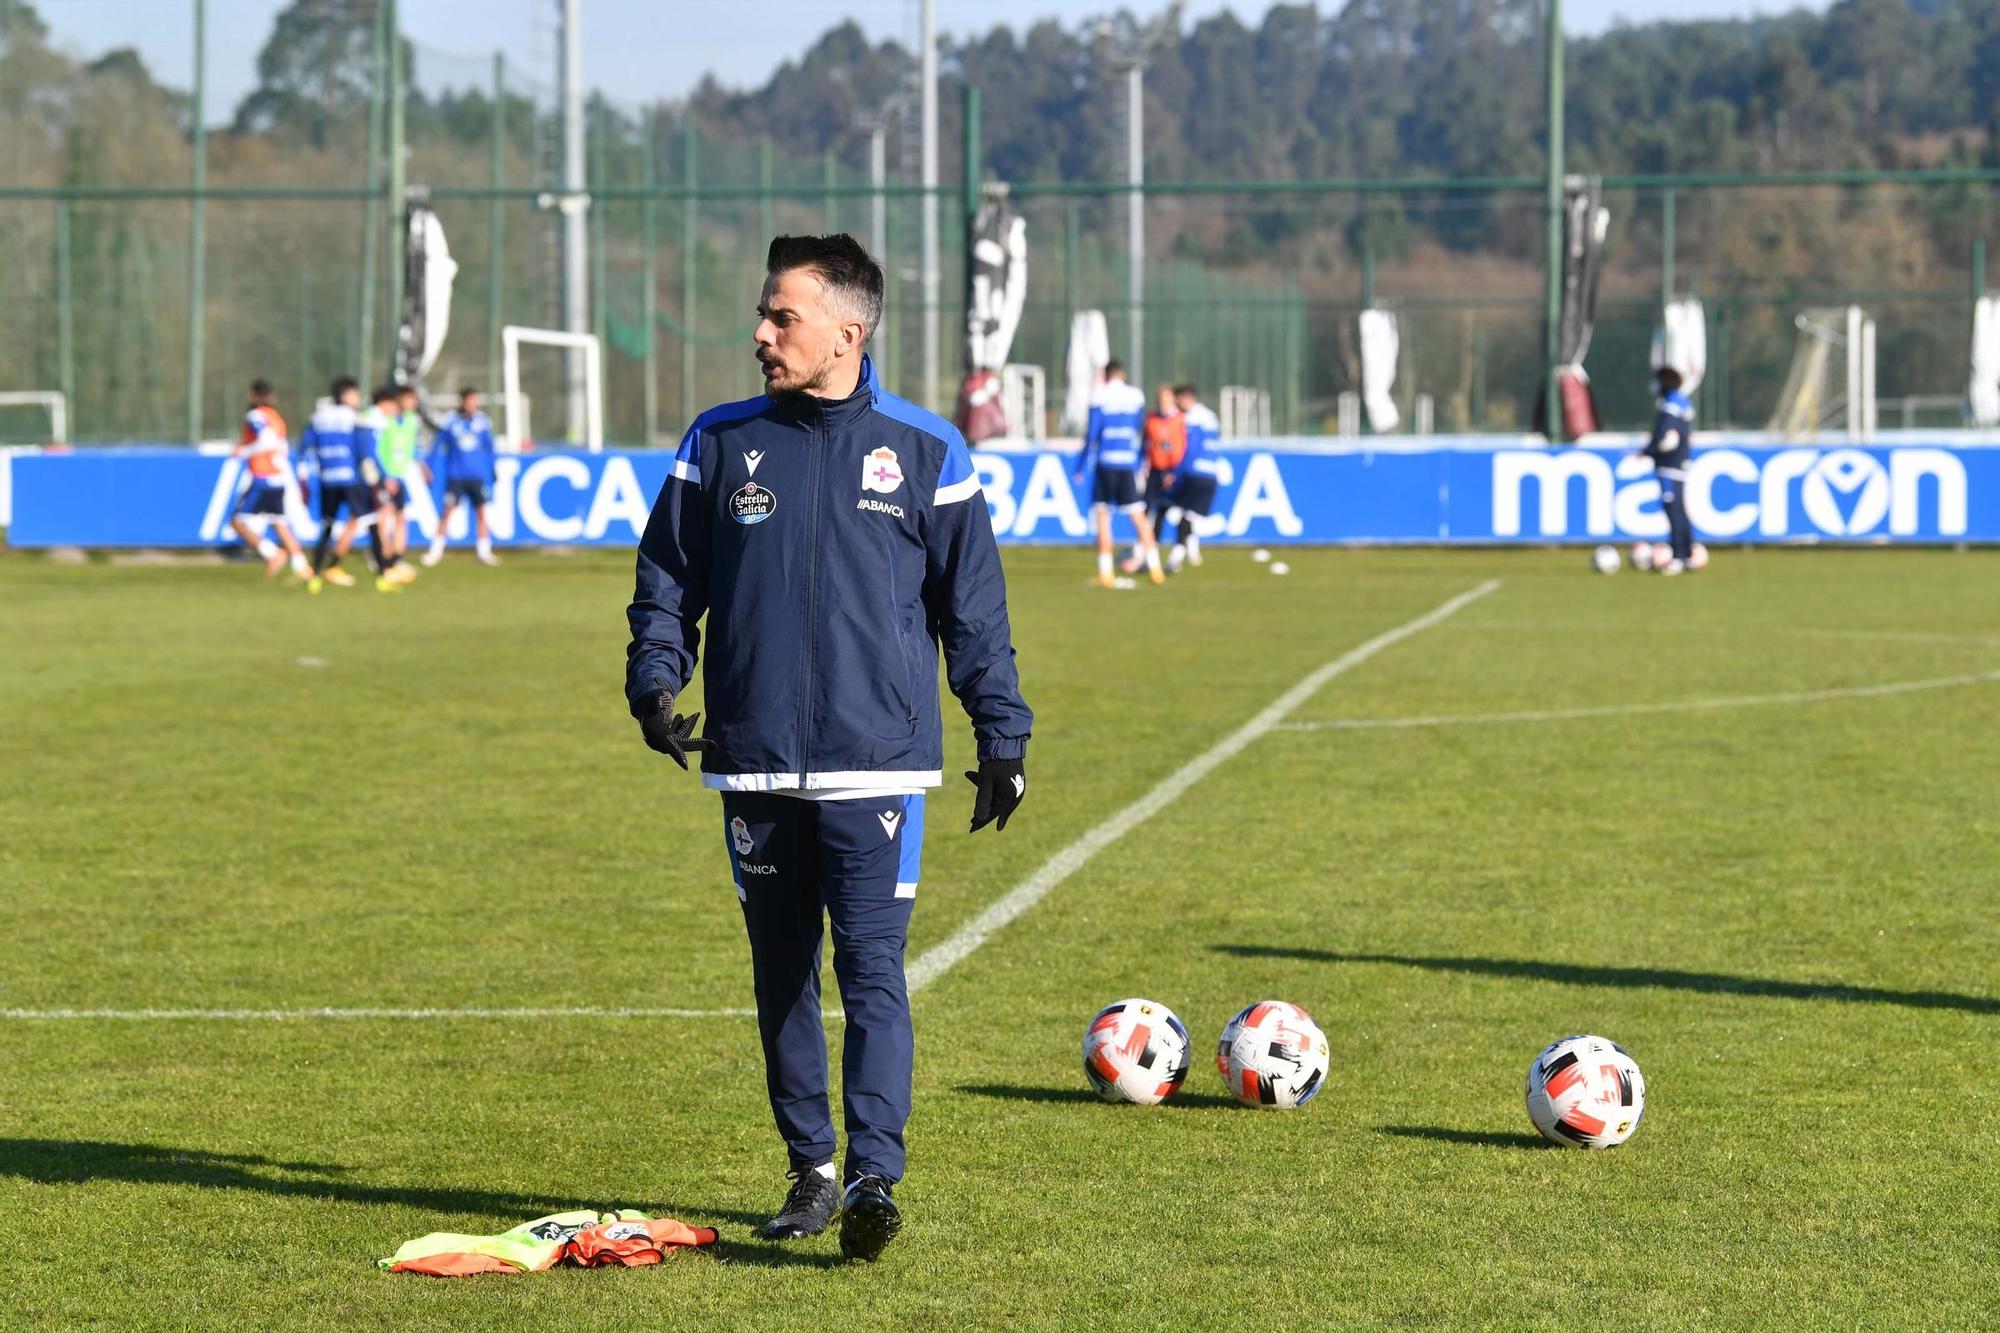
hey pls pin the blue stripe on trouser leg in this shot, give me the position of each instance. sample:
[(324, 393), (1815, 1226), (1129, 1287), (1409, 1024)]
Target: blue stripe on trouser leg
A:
[(865, 847), (774, 853)]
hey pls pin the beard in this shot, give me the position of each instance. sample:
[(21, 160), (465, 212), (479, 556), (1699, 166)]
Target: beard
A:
[(789, 381)]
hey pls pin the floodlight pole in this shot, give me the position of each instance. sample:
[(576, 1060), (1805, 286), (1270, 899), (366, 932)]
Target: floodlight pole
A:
[(1135, 219), (878, 203), (576, 236), (496, 217), (927, 391), (371, 210), (398, 168), (1552, 327), (198, 225)]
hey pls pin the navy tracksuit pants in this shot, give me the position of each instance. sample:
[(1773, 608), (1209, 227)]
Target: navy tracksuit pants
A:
[(1673, 500), (855, 863)]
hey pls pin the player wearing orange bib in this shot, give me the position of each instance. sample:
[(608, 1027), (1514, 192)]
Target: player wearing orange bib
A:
[(267, 461)]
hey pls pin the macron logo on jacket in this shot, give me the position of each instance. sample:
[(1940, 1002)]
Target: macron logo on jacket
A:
[(837, 549)]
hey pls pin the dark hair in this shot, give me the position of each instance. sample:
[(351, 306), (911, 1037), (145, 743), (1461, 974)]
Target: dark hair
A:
[(343, 384), (260, 388), (1669, 378), (1114, 367), (853, 280), (1187, 389), (467, 392), (388, 393)]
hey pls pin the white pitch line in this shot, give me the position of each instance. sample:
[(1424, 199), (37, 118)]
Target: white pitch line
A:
[(283, 1015), (1626, 710), (942, 957)]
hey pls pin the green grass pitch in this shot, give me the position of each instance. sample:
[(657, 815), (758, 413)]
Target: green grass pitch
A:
[(218, 794)]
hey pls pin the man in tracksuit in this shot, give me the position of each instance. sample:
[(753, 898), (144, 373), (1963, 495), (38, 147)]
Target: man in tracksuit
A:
[(1110, 464), (1196, 479), (1673, 429), (462, 455), (835, 537)]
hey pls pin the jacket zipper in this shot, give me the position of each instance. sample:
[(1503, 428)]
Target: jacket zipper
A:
[(817, 433)]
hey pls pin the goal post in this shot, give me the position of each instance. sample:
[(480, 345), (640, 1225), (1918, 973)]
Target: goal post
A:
[(513, 403), (50, 401)]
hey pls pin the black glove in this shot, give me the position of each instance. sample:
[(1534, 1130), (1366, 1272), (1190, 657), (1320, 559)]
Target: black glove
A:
[(1002, 783), (669, 733)]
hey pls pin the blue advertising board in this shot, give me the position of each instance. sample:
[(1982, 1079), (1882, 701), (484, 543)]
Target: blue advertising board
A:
[(1919, 487)]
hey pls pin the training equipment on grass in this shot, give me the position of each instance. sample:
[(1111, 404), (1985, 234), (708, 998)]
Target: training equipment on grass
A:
[(1135, 1051), (1585, 1092), (1697, 556), (1643, 554), (1272, 1055), (1605, 560)]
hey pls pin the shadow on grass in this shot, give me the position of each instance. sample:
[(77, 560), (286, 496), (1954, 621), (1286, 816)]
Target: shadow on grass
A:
[(737, 1252), (1575, 974), (1019, 1093), (1477, 1138), (80, 1161)]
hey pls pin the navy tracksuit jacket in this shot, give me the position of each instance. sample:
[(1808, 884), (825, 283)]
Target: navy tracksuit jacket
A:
[(834, 547)]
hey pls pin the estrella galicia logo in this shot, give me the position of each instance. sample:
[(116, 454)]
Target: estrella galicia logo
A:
[(739, 836), (1846, 493), (752, 503)]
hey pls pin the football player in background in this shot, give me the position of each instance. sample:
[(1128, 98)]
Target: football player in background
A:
[(336, 446), (1166, 440), (261, 506), (1110, 462), (1196, 479), (1673, 431), (397, 425), (462, 455)]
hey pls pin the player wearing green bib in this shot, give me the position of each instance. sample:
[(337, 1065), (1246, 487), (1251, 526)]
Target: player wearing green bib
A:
[(396, 451)]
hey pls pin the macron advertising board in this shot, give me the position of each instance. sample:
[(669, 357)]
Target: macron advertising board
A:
[(1908, 487)]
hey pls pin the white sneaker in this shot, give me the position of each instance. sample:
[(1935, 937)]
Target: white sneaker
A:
[(431, 557), (1672, 567), (488, 558)]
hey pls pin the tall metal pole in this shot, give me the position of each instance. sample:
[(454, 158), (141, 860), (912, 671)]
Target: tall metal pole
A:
[(689, 148), (576, 236), (878, 203), (649, 276), (766, 182), (969, 161), (1978, 268), (1666, 248), (65, 326), (371, 207), (1552, 326), (830, 177), (198, 225), (600, 266), (496, 220), (1135, 220), (927, 391), (398, 169)]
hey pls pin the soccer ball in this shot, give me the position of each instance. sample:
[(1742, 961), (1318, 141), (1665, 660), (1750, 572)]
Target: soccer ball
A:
[(1697, 556), (1642, 555), (1135, 1051), (1585, 1092), (1272, 1055), (1605, 560)]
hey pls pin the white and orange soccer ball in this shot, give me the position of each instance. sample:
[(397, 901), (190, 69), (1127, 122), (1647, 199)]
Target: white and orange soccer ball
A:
[(1273, 1055), (1585, 1092), (1606, 560), (1135, 1051), (1643, 554), (1697, 556)]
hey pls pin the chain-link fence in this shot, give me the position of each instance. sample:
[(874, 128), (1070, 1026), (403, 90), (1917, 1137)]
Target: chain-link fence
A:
[(1253, 283)]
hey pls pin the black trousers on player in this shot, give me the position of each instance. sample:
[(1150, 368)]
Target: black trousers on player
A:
[(1673, 502), (797, 864)]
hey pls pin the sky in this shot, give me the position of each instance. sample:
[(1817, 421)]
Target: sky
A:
[(642, 51)]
